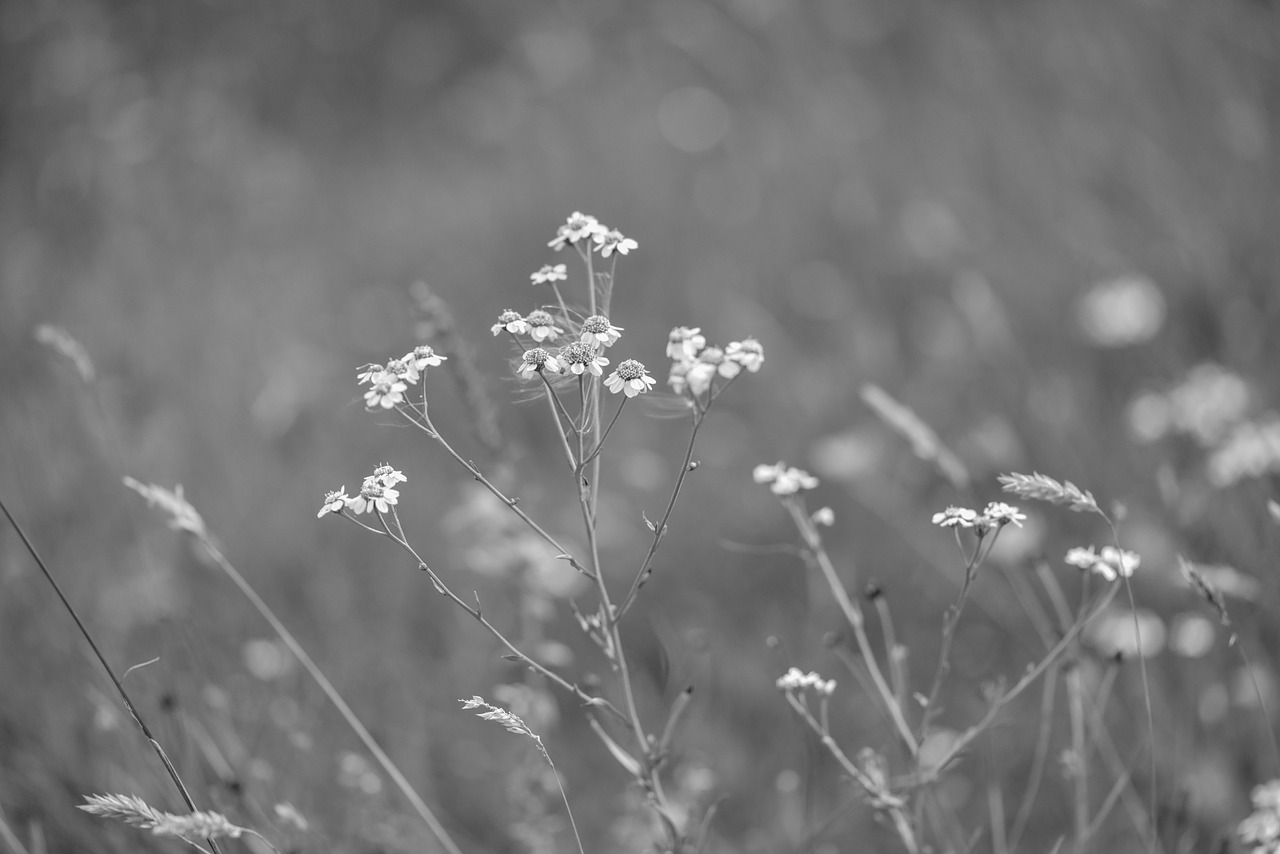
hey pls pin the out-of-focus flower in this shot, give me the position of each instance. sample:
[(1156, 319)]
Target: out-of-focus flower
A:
[(578, 227), (404, 369), (613, 241), (1252, 450), (956, 517), (549, 274), (1121, 312), (699, 375), (579, 357), (678, 378), (510, 321), (1111, 564), (387, 391), (369, 372), (796, 680), (1126, 633), (387, 476), (182, 516), (747, 353), (542, 326), (1206, 405), (597, 329), (824, 516), (784, 479), (1261, 830), (631, 378), (684, 342), (334, 502), (536, 360)]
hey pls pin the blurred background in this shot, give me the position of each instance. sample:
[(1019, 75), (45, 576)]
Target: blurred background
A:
[(1048, 228)]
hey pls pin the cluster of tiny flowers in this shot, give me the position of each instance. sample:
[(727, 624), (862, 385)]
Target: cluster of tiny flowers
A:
[(1261, 830), (694, 365), (997, 515), (389, 382), (794, 680), (1110, 564), (630, 377), (784, 479), (550, 274), (586, 229), (377, 492), (579, 357)]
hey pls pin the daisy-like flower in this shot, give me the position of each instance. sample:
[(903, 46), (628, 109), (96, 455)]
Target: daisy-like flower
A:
[(784, 479), (747, 353), (387, 391), (510, 321), (549, 274), (699, 376), (387, 476), (404, 369), (631, 378), (334, 502), (1111, 564), (536, 360), (542, 326), (999, 514), (597, 329), (954, 517), (579, 357), (374, 495), (684, 342), (578, 227), (368, 372), (424, 357), (613, 241)]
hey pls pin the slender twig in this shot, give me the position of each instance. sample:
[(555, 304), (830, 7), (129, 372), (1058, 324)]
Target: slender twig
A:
[(660, 529), (102, 659), (1079, 755), (949, 624)]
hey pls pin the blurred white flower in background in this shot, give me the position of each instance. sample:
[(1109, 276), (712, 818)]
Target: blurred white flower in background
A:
[(1121, 312)]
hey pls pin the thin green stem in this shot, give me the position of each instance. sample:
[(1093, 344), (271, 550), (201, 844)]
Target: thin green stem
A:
[(600, 445), (949, 624)]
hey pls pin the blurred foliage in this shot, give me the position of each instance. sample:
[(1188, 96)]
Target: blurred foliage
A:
[(225, 203)]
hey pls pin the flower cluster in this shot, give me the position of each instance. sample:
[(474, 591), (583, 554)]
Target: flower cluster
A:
[(997, 515), (389, 382), (783, 479), (694, 365), (1261, 830), (586, 230), (794, 680), (377, 492), (1111, 563), (550, 274), (580, 356)]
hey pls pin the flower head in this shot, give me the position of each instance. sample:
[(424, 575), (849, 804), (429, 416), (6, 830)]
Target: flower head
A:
[(579, 357), (387, 476), (999, 514), (404, 369), (374, 495), (334, 502), (510, 321), (598, 330), (549, 274), (536, 360), (747, 353), (684, 342), (795, 680), (699, 375), (678, 379), (784, 479), (956, 517), (369, 372), (578, 227), (542, 326), (387, 391), (424, 357), (631, 378), (613, 241)]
